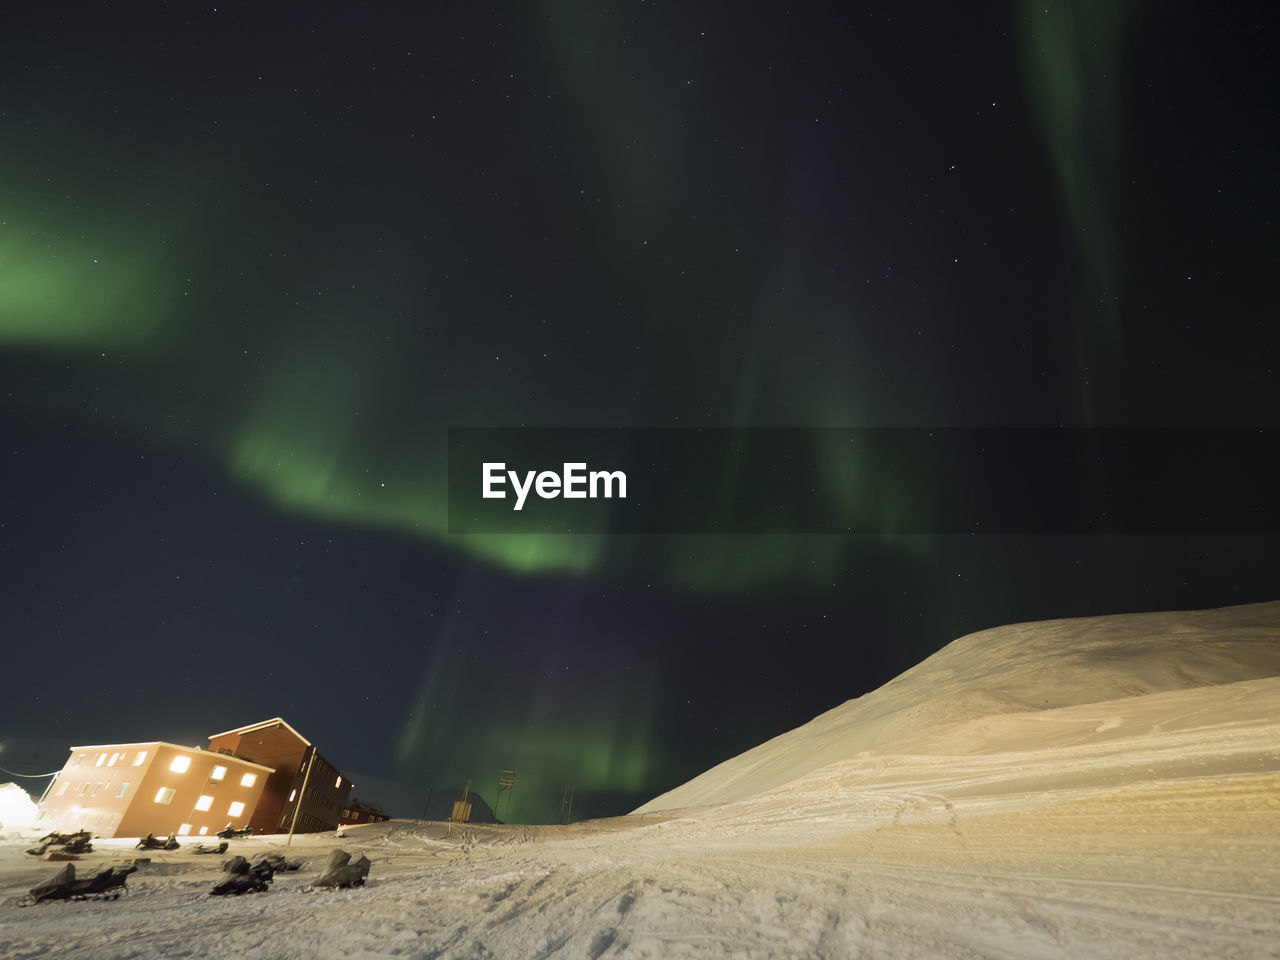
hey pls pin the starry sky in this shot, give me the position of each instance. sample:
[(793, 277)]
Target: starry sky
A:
[(256, 260)]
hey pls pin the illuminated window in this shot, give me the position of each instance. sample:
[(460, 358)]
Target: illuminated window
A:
[(140, 759), (236, 809), (164, 795), (204, 803), (293, 793), (346, 813), (248, 780), (218, 772), (62, 788), (337, 784), (79, 760), (84, 788), (203, 831), (102, 758), (114, 758), (184, 829), (122, 790), (96, 788), (180, 764)]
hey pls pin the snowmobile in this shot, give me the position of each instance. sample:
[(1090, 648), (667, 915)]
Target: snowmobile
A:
[(230, 833), (240, 877), (276, 862), (70, 842), (341, 871), (151, 843), (108, 883)]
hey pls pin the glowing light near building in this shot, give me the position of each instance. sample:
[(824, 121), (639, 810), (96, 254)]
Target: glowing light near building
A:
[(180, 764), (17, 810)]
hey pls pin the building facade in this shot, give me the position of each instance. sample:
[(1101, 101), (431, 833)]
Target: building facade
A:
[(360, 811), (132, 789), (306, 793)]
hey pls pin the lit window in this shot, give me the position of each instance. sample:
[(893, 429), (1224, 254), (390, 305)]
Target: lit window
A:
[(184, 829), (180, 764), (218, 772), (204, 803), (293, 793), (248, 780), (122, 790), (164, 795), (203, 831), (102, 758), (337, 784), (96, 788), (84, 788), (62, 788), (112, 761), (79, 760), (140, 759), (236, 809)]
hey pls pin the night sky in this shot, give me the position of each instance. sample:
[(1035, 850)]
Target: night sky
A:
[(255, 260)]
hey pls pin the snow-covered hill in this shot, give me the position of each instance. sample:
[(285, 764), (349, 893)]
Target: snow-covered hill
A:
[(1021, 668)]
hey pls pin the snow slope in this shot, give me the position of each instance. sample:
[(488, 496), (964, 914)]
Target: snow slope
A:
[(1019, 668), (1144, 822)]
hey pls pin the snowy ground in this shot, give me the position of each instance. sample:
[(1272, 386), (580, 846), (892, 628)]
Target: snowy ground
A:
[(1139, 826)]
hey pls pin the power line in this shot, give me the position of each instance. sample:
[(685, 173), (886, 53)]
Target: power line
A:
[(30, 776)]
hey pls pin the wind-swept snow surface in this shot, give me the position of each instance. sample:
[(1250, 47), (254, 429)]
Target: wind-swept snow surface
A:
[(971, 821), (1025, 667)]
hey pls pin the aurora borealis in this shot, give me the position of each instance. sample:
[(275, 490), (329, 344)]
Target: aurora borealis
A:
[(254, 264)]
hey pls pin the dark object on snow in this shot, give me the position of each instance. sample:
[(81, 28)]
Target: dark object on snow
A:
[(230, 833), (106, 884), (57, 887), (71, 842), (78, 843), (201, 848), (277, 862), (236, 865), (151, 843), (56, 839), (241, 876), (342, 871)]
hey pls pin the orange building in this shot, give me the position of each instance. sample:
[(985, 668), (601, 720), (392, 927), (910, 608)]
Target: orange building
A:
[(299, 770), (132, 789)]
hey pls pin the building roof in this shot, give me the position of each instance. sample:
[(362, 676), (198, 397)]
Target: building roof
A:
[(273, 722), (175, 746)]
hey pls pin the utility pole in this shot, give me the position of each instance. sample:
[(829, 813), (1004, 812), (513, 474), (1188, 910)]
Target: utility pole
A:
[(566, 804), (301, 795), (506, 781)]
